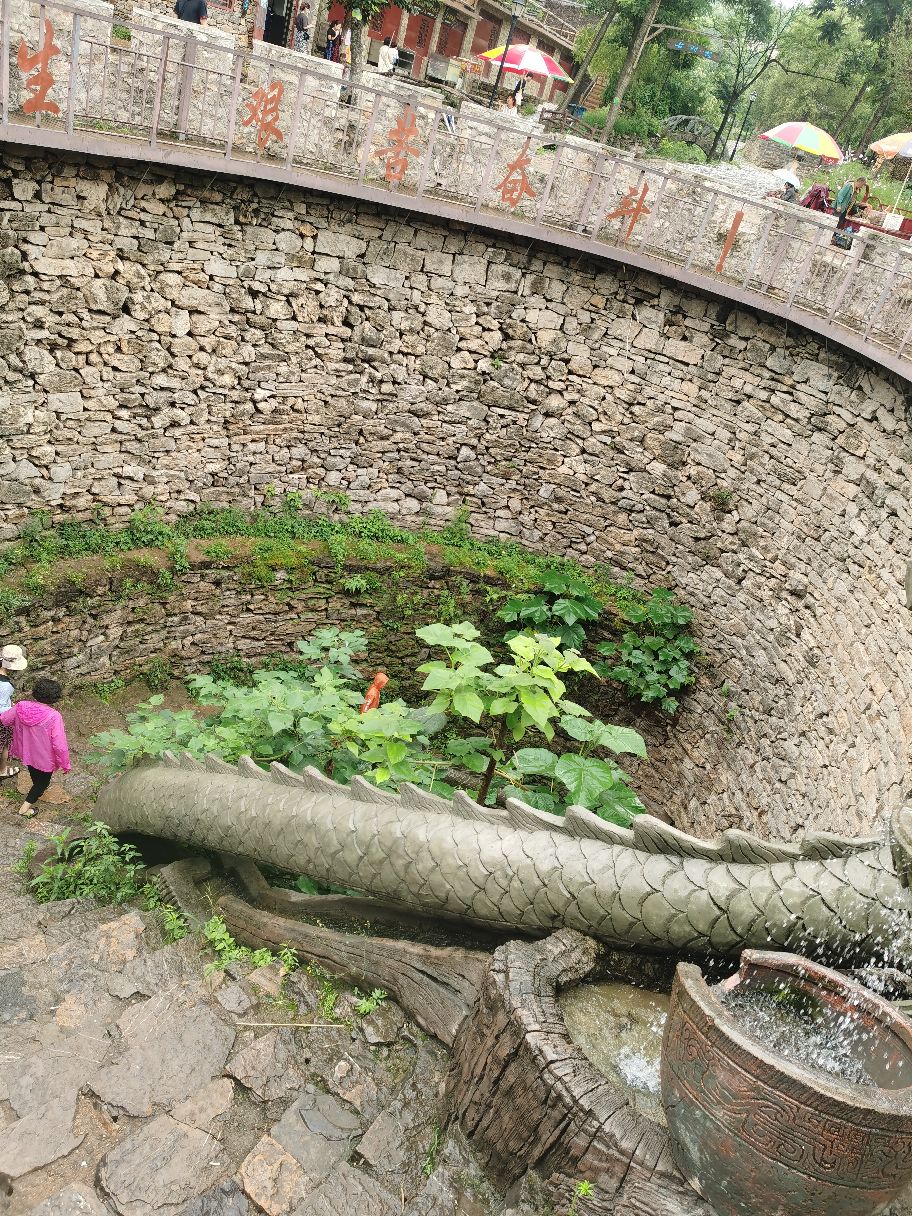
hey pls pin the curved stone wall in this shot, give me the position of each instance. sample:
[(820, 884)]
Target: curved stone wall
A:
[(180, 340)]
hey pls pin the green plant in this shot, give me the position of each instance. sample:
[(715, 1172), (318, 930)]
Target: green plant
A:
[(720, 499), (157, 674), (558, 610), (523, 696), (227, 950), (677, 149), (92, 866), (654, 660), (232, 668), (288, 957), (328, 999), (306, 716), (174, 927), (23, 864), (365, 1005), (217, 551), (581, 1190), (359, 584), (433, 1152), (122, 32)]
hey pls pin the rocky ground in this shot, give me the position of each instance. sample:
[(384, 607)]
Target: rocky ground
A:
[(134, 1084)]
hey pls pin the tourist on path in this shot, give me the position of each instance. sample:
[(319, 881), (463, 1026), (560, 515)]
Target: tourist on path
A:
[(852, 198), (39, 739), (302, 28), (12, 661), (194, 11), (333, 41), (388, 58)]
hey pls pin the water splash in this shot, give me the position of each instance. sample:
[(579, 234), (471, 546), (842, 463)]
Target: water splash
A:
[(803, 1031)]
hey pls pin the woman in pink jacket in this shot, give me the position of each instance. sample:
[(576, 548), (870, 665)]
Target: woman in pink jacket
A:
[(39, 739)]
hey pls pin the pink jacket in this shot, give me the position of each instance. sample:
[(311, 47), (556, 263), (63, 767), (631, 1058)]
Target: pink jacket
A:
[(38, 736)]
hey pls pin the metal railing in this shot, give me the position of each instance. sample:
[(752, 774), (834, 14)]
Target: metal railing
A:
[(178, 96)]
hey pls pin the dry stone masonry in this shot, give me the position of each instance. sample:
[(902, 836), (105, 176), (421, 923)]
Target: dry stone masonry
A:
[(179, 340)]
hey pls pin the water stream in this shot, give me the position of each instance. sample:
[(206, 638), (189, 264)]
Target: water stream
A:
[(619, 1029), (802, 1032)]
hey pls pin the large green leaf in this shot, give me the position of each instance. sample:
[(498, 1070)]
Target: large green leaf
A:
[(536, 760), (440, 676), (538, 705), (468, 703), (586, 779)]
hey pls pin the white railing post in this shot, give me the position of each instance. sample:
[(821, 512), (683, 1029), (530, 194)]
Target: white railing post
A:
[(6, 16)]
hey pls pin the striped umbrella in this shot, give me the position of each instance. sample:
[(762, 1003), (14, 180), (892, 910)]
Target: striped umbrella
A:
[(805, 137), (899, 144), (893, 145), (526, 59)]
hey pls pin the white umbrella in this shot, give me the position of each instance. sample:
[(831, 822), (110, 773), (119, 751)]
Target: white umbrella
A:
[(787, 176)]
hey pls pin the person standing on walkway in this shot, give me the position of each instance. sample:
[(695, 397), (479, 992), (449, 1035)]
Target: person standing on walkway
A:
[(194, 11), (39, 739), (333, 41), (302, 28), (12, 661), (388, 58)]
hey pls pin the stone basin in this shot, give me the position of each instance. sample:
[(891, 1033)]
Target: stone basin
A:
[(754, 1132)]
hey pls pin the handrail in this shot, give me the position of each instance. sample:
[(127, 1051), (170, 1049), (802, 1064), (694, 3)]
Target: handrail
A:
[(181, 96)]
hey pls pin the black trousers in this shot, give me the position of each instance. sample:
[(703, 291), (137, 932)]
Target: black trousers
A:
[(40, 782)]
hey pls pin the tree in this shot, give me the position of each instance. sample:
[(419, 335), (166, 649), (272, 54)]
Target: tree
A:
[(648, 78), (883, 24), (628, 67), (577, 89), (751, 31)]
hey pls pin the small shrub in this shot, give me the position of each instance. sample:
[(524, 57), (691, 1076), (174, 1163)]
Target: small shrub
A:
[(653, 660), (105, 689), (366, 1005), (174, 927), (227, 950), (677, 149), (95, 866)]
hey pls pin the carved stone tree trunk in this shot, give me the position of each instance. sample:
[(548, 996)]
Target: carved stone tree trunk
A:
[(526, 1097)]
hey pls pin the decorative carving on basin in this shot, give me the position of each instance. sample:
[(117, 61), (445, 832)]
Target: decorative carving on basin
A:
[(754, 1132)]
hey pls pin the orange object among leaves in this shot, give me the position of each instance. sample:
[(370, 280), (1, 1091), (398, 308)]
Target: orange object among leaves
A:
[(372, 696), (40, 83)]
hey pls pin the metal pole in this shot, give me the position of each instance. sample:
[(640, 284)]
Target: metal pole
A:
[(500, 66), (750, 102)]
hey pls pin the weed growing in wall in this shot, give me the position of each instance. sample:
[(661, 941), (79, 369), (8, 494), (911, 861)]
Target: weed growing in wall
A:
[(653, 660)]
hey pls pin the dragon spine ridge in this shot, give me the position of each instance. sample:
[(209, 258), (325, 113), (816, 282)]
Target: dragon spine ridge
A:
[(649, 886)]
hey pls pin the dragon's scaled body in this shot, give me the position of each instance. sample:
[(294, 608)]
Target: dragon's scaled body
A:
[(650, 887)]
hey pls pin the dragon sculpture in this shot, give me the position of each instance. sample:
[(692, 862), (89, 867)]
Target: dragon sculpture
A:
[(650, 886)]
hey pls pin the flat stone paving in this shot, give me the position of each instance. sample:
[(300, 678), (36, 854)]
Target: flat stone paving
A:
[(132, 1084)]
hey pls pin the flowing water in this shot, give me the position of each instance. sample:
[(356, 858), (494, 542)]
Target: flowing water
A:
[(804, 1031), (619, 1029)]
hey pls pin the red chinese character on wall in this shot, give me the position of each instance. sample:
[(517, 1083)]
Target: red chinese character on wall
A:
[(401, 146), (40, 82), (515, 184), (631, 207), (263, 111)]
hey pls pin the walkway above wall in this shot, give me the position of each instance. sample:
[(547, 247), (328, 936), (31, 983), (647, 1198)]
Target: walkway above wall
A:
[(181, 95)]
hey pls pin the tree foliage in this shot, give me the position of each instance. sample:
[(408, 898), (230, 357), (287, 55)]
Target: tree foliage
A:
[(488, 726)]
